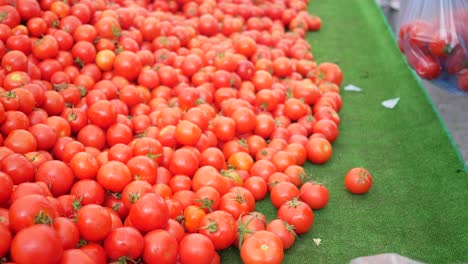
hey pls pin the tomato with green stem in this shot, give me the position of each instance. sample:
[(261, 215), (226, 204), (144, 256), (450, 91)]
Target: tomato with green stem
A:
[(297, 214), (284, 231), (220, 227)]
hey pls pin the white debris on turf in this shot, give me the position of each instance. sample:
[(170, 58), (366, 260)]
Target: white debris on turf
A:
[(388, 258), (352, 88), (317, 241), (391, 103)]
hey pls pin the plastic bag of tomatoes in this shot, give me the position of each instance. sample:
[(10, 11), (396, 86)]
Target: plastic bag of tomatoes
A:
[(433, 35)]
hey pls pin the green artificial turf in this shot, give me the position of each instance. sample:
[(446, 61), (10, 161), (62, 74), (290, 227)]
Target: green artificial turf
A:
[(418, 205)]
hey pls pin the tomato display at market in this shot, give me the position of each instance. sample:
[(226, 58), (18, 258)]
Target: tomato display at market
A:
[(137, 131)]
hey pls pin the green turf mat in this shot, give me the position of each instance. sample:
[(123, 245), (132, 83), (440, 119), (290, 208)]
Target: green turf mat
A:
[(418, 205)]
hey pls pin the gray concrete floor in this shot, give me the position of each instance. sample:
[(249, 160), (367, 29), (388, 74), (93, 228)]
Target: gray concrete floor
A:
[(453, 108)]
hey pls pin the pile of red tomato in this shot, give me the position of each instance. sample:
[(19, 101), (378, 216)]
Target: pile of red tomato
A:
[(145, 131)]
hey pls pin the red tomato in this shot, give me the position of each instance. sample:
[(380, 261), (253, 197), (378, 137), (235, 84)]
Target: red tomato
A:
[(29, 210), (134, 191), (94, 222), (18, 167), (220, 228), (315, 195), (114, 176), (160, 247), (149, 212), (284, 231), (68, 232), (247, 225), (127, 64), (124, 242), (57, 175), (297, 214), (88, 192), (184, 162), (257, 186), (196, 248), (96, 252), (36, 244), (262, 247), (358, 180), (283, 192), (319, 150)]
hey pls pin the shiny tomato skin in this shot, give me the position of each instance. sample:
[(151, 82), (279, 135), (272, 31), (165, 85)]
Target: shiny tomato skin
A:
[(315, 195), (220, 227), (196, 248), (262, 247), (160, 247), (149, 212), (297, 214), (124, 242), (36, 244), (358, 180), (94, 222), (56, 174)]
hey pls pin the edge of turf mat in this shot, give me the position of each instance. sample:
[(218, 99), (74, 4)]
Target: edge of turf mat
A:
[(418, 205)]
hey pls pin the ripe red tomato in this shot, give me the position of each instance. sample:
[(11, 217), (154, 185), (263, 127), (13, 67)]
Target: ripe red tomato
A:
[(284, 231), (160, 247), (124, 242), (187, 133), (262, 247), (114, 176), (94, 222), (68, 232), (315, 195), (184, 162), (297, 214), (96, 252), (220, 227), (128, 65), (358, 180), (45, 48), (247, 225), (149, 212), (36, 244), (29, 210), (196, 248), (57, 175), (282, 192), (319, 150), (88, 192)]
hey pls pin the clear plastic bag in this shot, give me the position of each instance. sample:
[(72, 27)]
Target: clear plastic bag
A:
[(433, 35)]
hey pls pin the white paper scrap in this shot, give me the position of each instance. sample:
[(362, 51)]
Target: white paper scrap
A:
[(352, 88), (391, 103), (317, 241)]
